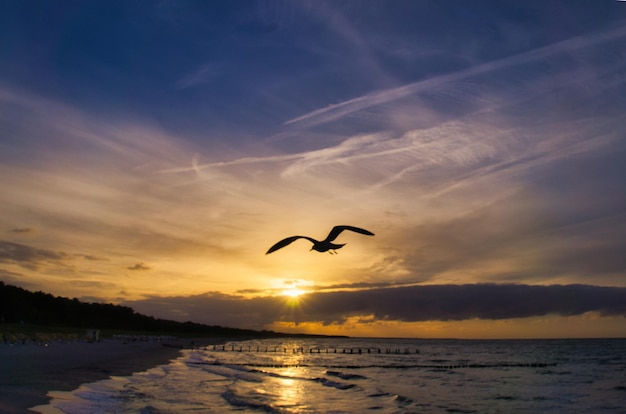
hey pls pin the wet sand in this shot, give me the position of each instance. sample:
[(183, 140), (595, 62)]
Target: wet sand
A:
[(29, 372)]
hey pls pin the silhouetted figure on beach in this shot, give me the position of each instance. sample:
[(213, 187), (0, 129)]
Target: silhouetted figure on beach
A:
[(324, 245)]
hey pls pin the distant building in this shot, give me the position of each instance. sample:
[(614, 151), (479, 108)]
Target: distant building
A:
[(93, 335)]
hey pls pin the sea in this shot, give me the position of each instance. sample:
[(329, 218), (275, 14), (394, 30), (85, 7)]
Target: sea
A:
[(362, 375)]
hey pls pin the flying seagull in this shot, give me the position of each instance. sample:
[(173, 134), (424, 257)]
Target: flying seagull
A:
[(325, 245)]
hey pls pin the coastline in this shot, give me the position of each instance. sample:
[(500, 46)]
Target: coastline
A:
[(29, 372)]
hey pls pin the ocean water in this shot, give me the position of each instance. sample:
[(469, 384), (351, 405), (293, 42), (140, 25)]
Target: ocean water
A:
[(370, 375)]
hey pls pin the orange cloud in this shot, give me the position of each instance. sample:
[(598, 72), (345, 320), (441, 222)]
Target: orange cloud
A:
[(139, 266)]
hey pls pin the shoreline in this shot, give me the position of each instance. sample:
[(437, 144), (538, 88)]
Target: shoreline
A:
[(29, 372)]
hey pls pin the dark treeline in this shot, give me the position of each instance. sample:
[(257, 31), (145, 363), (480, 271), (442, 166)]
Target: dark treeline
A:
[(19, 305)]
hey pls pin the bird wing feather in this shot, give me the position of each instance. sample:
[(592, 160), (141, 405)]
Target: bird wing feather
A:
[(286, 242), (336, 231)]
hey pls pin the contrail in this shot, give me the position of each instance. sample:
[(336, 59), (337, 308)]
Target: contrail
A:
[(339, 110)]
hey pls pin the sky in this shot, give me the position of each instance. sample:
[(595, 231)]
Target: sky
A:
[(152, 151)]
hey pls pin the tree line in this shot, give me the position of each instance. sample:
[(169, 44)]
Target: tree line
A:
[(18, 305)]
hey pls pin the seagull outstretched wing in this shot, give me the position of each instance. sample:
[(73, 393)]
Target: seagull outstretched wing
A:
[(286, 242), (336, 231)]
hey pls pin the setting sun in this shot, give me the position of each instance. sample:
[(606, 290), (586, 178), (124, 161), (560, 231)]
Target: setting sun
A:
[(293, 293)]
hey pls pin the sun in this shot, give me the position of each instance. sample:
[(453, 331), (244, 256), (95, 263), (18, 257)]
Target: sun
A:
[(293, 292), (294, 297)]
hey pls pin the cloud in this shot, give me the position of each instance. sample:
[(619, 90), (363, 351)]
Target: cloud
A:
[(28, 256), (97, 285), (13, 278), (139, 266), (334, 112), (202, 75), (19, 279), (406, 304), (21, 230), (309, 287), (490, 138), (462, 302), (92, 257), (525, 235)]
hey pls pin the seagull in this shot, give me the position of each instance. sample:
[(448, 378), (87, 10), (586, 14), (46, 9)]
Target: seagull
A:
[(324, 245)]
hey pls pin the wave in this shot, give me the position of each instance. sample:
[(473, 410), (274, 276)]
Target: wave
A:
[(335, 384), (243, 402), (233, 372), (344, 376)]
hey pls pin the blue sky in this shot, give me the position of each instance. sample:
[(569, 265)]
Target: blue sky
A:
[(151, 152)]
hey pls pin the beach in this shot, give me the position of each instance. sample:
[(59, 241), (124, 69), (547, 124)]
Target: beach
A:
[(28, 372)]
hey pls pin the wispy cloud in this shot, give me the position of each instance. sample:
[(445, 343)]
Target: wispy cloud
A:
[(200, 76), (92, 257), (139, 266), (28, 256), (21, 230), (336, 111)]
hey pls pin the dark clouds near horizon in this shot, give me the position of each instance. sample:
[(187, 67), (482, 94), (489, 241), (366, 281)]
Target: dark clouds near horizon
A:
[(405, 304)]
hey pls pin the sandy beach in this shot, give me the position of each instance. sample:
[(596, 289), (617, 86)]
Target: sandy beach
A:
[(28, 372)]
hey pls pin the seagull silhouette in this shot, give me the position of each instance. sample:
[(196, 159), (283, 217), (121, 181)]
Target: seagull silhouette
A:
[(324, 245)]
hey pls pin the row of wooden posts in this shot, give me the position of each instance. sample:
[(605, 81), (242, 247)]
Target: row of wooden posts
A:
[(313, 350)]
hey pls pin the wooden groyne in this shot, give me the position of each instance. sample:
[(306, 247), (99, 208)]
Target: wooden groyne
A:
[(313, 350), (285, 350), (395, 366)]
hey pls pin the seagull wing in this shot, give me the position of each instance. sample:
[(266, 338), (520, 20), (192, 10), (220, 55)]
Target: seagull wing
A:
[(336, 231), (286, 242)]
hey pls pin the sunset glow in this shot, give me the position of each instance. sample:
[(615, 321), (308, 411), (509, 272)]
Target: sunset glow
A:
[(153, 163), (294, 293)]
